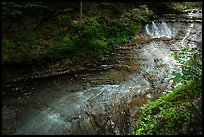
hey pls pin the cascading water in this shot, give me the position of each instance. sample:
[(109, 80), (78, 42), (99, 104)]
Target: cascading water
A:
[(157, 61), (194, 14), (77, 110), (103, 109), (158, 30), (187, 34), (166, 30)]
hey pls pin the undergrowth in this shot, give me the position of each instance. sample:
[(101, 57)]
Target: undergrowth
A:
[(62, 36), (180, 111)]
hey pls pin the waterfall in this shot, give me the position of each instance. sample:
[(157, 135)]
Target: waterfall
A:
[(158, 30), (104, 108), (194, 14), (167, 32), (187, 34)]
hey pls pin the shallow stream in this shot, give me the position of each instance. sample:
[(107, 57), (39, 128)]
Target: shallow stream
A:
[(88, 103)]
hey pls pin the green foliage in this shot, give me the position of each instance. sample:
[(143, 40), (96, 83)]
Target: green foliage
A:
[(7, 49), (18, 50), (139, 14), (26, 40), (34, 5), (92, 38), (190, 5), (99, 42), (13, 9), (138, 10), (136, 27), (93, 35), (170, 114), (63, 17), (191, 62)]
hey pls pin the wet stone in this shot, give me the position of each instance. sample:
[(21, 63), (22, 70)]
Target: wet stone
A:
[(103, 101)]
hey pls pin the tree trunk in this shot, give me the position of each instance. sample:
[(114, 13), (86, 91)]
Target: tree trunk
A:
[(80, 13)]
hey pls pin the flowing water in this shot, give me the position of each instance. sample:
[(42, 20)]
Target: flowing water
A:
[(194, 13), (50, 106)]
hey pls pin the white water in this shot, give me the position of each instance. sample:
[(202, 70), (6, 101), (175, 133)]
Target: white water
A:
[(76, 110), (158, 30), (194, 14), (156, 60), (187, 34)]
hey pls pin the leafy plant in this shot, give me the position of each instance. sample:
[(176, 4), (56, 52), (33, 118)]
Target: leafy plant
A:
[(191, 62), (136, 27), (63, 17), (13, 9), (7, 49), (172, 113), (139, 14), (64, 35)]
